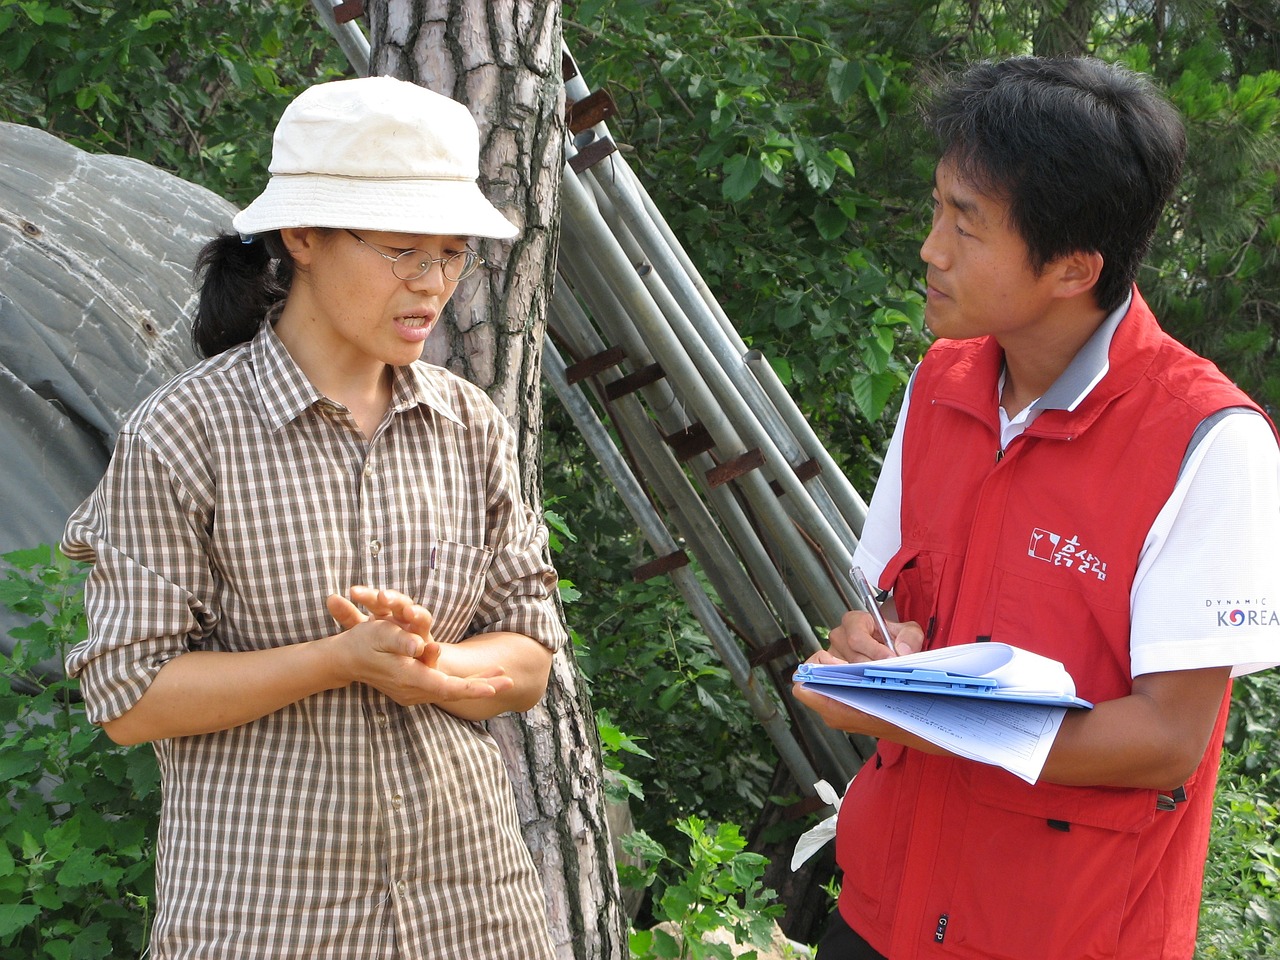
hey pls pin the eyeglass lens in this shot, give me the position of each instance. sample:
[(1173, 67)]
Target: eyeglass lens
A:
[(414, 263)]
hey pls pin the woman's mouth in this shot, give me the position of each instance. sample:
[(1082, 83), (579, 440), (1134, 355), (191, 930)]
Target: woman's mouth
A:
[(415, 326)]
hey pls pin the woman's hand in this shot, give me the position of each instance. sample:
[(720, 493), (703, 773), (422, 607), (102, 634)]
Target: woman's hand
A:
[(391, 650)]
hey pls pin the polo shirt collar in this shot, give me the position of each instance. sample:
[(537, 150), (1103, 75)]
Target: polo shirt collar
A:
[(1087, 368)]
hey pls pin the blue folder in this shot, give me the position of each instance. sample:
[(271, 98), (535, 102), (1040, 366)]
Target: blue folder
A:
[(884, 677)]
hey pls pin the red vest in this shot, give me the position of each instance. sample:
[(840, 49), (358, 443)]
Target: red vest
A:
[(1037, 547)]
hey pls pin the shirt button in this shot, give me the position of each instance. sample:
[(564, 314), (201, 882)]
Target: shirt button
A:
[(368, 469), (383, 720), (402, 887), (396, 801), (375, 547)]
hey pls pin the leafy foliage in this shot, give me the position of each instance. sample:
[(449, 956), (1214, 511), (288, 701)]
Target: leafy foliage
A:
[(1240, 914), (654, 674), (768, 123), (78, 815), (193, 86), (1253, 722), (779, 141), (718, 887)]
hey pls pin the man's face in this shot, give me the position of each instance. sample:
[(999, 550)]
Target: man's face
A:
[(980, 278)]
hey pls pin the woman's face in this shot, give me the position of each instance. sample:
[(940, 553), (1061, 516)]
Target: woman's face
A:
[(350, 305)]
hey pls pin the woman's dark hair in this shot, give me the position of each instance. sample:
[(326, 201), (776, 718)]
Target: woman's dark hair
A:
[(1085, 153), (239, 282)]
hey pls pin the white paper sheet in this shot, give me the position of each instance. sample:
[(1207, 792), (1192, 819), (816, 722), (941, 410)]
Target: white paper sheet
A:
[(1015, 736)]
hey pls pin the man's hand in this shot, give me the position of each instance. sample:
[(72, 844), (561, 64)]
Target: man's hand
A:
[(856, 638)]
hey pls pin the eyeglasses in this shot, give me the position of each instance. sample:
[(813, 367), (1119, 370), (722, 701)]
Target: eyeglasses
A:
[(411, 264)]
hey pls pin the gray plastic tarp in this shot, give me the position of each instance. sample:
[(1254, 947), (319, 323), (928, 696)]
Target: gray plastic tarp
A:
[(96, 256)]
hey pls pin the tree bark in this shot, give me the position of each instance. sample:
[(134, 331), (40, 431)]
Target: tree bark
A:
[(502, 59)]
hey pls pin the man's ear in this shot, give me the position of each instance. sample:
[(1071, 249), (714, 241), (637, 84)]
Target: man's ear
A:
[(1078, 272)]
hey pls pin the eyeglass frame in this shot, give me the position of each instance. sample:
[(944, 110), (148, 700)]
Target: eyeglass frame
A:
[(426, 262)]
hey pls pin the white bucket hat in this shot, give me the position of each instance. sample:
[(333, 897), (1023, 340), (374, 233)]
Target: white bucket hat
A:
[(375, 154)]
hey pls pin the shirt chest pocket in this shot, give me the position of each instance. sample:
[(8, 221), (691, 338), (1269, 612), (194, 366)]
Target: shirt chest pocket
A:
[(455, 583)]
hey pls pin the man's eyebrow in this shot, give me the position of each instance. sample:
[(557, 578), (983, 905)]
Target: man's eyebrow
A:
[(966, 205)]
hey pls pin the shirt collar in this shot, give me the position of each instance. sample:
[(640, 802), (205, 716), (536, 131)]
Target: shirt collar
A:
[(285, 392), (1087, 367)]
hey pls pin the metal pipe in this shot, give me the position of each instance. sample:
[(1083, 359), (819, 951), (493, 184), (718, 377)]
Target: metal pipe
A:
[(597, 438)]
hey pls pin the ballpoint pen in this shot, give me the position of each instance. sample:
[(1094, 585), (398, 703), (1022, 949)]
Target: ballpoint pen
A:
[(868, 598)]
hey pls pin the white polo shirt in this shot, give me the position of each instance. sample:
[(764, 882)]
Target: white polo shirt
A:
[(1207, 588)]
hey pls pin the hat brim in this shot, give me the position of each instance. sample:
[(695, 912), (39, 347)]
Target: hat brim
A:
[(422, 206)]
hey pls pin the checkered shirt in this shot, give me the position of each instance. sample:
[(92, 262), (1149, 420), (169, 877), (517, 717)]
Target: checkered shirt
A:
[(343, 826)]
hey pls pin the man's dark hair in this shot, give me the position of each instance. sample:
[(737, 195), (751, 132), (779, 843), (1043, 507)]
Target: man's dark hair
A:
[(1085, 153)]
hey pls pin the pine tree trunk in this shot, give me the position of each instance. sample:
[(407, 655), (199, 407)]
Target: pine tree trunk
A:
[(502, 58)]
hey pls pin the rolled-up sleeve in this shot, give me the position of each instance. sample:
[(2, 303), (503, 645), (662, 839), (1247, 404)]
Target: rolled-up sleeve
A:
[(520, 591), (146, 594)]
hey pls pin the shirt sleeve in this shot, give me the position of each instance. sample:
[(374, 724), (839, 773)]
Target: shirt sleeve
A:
[(882, 532), (143, 595), (1207, 589), (521, 587)]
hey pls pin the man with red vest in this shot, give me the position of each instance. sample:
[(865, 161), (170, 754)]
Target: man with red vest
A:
[(1066, 478)]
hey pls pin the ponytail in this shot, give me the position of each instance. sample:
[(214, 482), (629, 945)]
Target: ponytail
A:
[(239, 282)]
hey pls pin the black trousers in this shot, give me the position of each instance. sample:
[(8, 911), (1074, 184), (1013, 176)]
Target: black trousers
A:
[(841, 942)]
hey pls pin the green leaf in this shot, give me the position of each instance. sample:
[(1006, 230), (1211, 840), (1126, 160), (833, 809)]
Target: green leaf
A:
[(819, 168), (782, 369), (13, 764), (842, 160), (640, 941), (747, 868), (149, 20), (741, 174), (16, 916), (640, 844), (676, 902), (82, 869), (830, 221), (667, 699), (843, 80), (665, 945), (871, 391)]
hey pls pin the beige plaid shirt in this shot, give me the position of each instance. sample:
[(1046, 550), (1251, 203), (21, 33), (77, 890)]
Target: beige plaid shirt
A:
[(343, 826)]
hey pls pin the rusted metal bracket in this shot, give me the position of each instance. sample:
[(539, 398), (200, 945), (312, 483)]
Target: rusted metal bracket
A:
[(595, 108), (568, 69), (803, 471), (689, 442), (348, 10), (590, 366), (633, 381), (592, 153), (781, 647), (660, 565), (732, 469)]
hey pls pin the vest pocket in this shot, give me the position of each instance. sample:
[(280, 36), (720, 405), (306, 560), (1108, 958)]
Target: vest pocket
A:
[(915, 576), (1028, 848)]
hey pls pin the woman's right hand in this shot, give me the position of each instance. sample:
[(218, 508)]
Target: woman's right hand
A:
[(392, 651)]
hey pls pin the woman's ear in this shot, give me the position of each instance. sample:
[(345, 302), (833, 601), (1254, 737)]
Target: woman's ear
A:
[(301, 242)]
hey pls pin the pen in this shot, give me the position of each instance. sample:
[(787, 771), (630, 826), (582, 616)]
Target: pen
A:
[(868, 598)]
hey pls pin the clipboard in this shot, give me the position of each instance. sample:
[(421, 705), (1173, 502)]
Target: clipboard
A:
[(895, 676)]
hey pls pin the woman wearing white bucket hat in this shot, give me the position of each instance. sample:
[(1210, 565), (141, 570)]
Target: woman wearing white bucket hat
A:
[(328, 789)]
